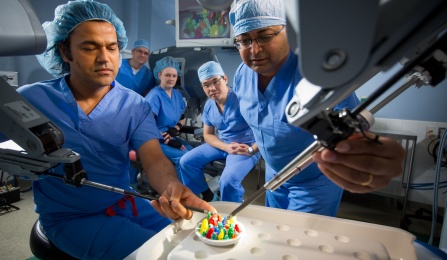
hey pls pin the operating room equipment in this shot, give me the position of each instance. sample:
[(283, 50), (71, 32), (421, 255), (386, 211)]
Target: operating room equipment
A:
[(80, 178), (272, 233)]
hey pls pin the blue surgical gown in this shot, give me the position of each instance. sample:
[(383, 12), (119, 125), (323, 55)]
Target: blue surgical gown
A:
[(141, 82), (74, 218), (168, 111), (231, 127), (280, 142)]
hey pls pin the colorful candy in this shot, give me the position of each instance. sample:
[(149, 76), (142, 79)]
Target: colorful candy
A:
[(215, 228)]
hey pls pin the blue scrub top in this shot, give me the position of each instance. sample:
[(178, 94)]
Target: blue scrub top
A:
[(279, 142), (122, 121), (168, 110), (141, 82), (230, 124)]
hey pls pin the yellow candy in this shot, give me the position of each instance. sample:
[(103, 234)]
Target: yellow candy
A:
[(221, 235), (204, 226)]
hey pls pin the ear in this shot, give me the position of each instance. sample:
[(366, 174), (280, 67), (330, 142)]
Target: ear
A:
[(64, 52)]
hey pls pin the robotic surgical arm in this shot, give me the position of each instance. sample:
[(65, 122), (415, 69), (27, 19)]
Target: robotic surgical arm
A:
[(343, 45), (41, 141), (347, 42)]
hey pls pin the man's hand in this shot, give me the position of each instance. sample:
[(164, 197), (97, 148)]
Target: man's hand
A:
[(170, 204), (360, 165)]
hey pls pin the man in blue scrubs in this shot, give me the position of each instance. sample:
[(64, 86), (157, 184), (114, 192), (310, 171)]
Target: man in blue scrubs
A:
[(102, 121), (264, 84), (133, 73), (234, 141)]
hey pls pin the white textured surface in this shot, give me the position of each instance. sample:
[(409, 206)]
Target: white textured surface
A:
[(280, 234)]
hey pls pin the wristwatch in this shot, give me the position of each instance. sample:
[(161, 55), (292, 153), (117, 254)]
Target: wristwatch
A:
[(251, 150)]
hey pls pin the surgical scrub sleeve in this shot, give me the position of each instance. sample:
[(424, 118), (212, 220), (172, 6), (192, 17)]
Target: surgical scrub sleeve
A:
[(74, 218), (280, 142)]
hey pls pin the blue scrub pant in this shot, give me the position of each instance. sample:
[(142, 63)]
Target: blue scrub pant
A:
[(174, 154), (319, 195), (99, 236), (230, 183)]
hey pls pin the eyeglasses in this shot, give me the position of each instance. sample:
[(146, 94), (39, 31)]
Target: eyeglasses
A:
[(261, 40), (215, 83)]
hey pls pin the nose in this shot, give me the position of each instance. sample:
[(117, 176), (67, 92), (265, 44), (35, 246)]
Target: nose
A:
[(103, 55), (255, 47)]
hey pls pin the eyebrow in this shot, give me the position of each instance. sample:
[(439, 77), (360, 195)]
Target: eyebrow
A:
[(259, 32), (96, 43)]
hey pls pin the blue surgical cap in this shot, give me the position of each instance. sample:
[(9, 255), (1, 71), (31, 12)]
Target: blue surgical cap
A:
[(66, 18), (141, 43), (164, 63), (209, 70), (249, 15)]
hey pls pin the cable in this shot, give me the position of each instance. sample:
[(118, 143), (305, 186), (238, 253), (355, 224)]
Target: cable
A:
[(433, 152), (435, 193)]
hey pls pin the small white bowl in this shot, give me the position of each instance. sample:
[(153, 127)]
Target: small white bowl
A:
[(225, 242)]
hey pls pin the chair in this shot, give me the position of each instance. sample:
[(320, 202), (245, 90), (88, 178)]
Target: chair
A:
[(43, 248)]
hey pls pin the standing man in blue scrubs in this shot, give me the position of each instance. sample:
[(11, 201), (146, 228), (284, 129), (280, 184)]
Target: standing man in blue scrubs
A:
[(264, 84), (102, 121), (133, 73), (168, 107), (234, 141)]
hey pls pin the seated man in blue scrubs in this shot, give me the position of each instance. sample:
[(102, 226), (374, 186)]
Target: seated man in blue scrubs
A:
[(234, 142), (264, 84), (102, 121), (168, 107), (133, 72)]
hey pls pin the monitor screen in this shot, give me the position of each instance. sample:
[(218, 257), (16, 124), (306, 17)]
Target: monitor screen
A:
[(199, 27)]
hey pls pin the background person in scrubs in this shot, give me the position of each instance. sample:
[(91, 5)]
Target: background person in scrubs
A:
[(133, 72), (234, 142), (102, 121), (264, 84), (168, 106)]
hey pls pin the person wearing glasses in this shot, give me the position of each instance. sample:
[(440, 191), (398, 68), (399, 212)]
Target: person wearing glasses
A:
[(264, 84), (133, 73), (168, 107), (234, 141)]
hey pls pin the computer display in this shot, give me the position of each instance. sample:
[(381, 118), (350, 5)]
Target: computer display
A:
[(199, 27)]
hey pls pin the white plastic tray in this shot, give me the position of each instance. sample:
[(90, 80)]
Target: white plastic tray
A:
[(283, 234)]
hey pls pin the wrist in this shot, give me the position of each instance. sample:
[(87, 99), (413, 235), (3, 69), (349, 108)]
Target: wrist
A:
[(179, 125), (251, 150)]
